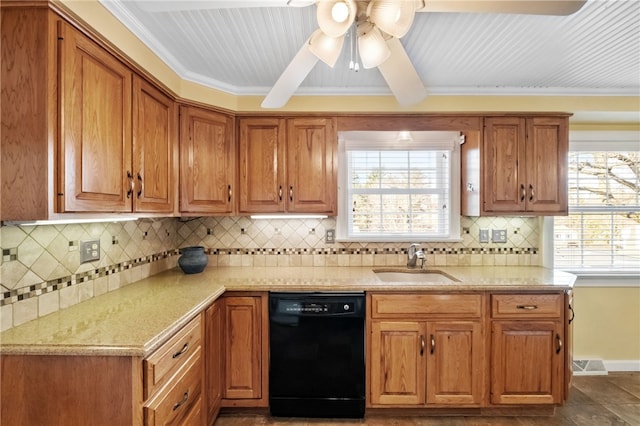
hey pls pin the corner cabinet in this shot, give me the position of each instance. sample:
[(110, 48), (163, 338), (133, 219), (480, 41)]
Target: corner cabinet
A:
[(118, 134), (288, 165), (426, 350), (207, 162), (525, 165)]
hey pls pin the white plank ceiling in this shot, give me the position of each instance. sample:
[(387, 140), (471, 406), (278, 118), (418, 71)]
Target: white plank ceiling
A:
[(595, 51)]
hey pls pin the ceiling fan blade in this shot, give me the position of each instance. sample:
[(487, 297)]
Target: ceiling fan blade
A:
[(297, 70), (176, 5), (525, 7), (401, 76)]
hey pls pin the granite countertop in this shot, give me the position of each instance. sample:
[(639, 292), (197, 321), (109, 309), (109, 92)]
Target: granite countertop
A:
[(136, 319)]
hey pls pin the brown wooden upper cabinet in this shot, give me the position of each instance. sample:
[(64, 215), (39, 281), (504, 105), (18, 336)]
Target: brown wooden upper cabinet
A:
[(207, 166), (118, 134), (525, 165), (288, 165)]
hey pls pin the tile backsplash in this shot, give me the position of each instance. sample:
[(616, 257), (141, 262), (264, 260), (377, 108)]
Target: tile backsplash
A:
[(41, 271)]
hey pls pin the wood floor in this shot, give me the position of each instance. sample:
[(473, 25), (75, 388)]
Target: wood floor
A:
[(594, 401)]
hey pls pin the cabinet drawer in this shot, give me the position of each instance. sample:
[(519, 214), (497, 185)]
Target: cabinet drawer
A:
[(526, 305), (416, 305), (174, 403), (165, 361)]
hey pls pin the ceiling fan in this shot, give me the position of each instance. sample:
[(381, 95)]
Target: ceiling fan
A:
[(375, 28)]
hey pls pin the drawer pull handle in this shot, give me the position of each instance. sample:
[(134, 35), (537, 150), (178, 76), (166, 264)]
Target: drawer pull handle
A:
[(280, 193), (523, 193), (181, 351), (141, 185), (559, 345), (291, 193), (182, 401), (527, 307), (230, 193), (421, 345), (433, 344)]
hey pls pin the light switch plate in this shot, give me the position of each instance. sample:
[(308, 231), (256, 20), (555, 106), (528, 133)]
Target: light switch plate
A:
[(89, 251), (499, 235), (484, 236)]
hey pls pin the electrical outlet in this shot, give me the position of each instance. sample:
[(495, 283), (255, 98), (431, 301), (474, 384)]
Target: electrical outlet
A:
[(330, 236), (484, 236), (499, 235), (89, 251)]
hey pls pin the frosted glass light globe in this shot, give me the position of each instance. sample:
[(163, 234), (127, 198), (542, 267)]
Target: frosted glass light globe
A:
[(340, 11)]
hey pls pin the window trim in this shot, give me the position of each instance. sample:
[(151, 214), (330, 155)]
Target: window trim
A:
[(381, 140)]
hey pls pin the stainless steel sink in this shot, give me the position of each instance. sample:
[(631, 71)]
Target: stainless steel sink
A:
[(431, 276)]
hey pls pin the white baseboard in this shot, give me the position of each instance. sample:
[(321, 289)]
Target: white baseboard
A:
[(622, 365)]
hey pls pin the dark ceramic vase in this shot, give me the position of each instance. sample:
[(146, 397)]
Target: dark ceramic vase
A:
[(193, 260)]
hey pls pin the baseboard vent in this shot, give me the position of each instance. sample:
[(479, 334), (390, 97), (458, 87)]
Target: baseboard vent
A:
[(589, 367)]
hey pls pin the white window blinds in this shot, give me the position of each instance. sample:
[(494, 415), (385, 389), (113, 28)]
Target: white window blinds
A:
[(602, 231), (400, 189)]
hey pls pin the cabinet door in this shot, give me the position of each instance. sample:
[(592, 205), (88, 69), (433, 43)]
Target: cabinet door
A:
[(262, 164), (455, 363), (546, 165), (397, 363), (311, 165), (527, 360), (207, 166), (243, 348), (95, 123), (155, 139), (213, 359), (504, 189)]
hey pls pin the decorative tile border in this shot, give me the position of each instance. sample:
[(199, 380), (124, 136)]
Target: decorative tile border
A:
[(17, 295)]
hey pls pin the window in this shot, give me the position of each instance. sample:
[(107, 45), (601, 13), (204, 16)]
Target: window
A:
[(399, 190), (602, 231)]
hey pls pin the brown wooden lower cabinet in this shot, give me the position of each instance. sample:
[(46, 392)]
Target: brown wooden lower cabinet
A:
[(430, 350), (528, 348), (246, 347), (432, 363)]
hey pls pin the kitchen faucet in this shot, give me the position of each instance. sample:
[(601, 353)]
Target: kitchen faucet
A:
[(413, 254)]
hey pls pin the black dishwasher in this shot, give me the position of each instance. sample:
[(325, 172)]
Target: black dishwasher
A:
[(317, 364)]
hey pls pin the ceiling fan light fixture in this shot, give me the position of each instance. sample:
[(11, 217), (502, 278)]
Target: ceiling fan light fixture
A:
[(392, 16), (326, 48), (372, 46), (336, 16)]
